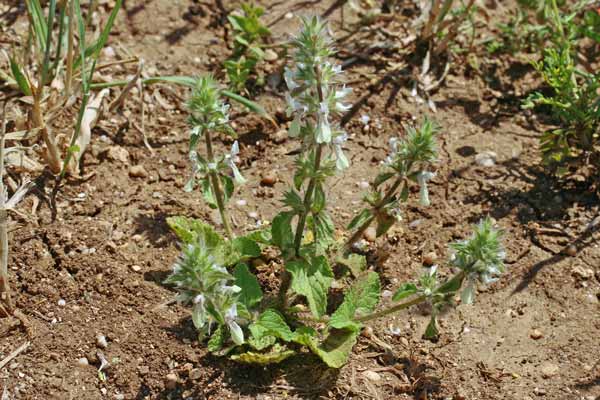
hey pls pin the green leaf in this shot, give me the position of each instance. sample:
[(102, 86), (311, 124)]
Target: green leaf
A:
[(356, 263), (261, 236), (19, 77), (271, 323), (217, 340), (360, 299), (251, 293), (312, 280), (273, 357), (192, 231), (384, 223), (360, 219), (246, 247), (336, 348), (452, 285), (383, 177), (324, 229), (40, 28), (404, 291), (281, 231), (431, 332), (262, 343)]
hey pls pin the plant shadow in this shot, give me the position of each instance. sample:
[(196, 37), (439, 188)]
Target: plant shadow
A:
[(536, 198)]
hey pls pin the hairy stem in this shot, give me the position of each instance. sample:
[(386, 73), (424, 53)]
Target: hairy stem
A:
[(216, 186), (361, 230), (308, 196)]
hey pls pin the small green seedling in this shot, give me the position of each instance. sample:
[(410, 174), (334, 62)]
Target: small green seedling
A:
[(249, 34)]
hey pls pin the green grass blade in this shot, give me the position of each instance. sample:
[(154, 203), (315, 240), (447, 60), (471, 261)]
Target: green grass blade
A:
[(61, 38), (40, 28), (94, 49), (48, 45), (20, 77)]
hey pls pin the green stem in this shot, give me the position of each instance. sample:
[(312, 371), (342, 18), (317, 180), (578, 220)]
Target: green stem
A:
[(444, 288), (361, 230), (216, 186), (308, 196)]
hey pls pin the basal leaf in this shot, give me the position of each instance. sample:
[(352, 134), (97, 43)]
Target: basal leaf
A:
[(356, 263), (271, 323), (312, 280), (360, 219), (273, 357), (217, 340), (336, 348)]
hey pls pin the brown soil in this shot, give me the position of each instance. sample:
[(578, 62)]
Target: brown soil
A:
[(109, 249)]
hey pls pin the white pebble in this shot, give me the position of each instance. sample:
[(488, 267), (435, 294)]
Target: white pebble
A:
[(241, 203), (62, 302), (101, 341)]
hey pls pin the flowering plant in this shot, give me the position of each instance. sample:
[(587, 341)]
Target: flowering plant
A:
[(228, 303)]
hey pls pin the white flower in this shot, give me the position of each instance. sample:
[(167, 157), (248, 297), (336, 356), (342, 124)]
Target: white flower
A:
[(230, 160), (389, 160), (323, 128), (341, 160), (237, 335), (422, 178), (339, 96), (294, 130), (288, 76)]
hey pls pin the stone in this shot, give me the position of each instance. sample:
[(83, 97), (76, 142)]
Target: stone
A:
[(195, 374), (549, 370), (370, 234), (268, 179), (82, 362), (430, 258), (171, 381), (101, 341), (372, 376), (138, 171), (271, 55), (536, 334), (486, 159)]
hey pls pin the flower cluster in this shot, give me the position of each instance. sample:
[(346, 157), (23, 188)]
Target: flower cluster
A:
[(481, 257), (209, 114), (315, 93), (201, 281), (416, 152)]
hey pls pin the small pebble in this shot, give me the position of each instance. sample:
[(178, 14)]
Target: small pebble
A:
[(363, 185), (429, 258), (571, 250), (171, 381), (372, 376), (136, 268), (549, 370), (280, 136), (367, 332), (253, 214), (196, 373), (83, 361), (138, 171), (241, 203), (268, 179), (62, 302), (486, 159), (101, 341), (270, 55), (582, 273), (536, 334), (370, 234)]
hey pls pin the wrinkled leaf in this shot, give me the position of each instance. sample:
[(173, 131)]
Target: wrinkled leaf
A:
[(312, 280), (360, 299), (273, 357), (271, 323), (251, 293)]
